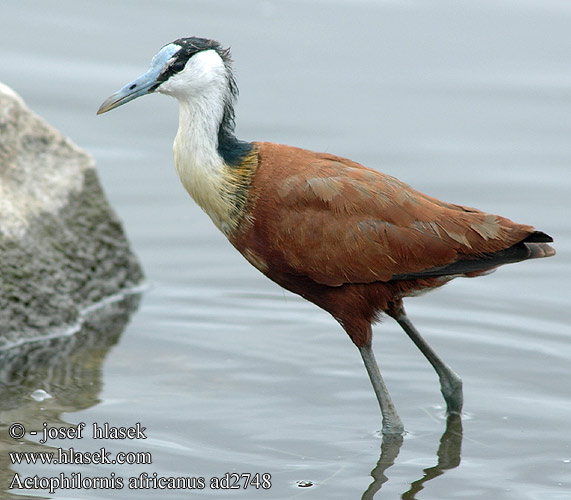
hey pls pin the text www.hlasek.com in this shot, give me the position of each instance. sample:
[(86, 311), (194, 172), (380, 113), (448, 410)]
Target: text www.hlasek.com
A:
[(72, 457), (78, 480)]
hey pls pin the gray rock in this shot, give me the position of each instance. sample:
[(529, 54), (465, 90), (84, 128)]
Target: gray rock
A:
[(62, 249)]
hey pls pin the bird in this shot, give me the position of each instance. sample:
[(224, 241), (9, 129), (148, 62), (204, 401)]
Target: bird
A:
[(348, 238)]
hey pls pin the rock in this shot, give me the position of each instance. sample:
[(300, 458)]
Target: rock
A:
[(62, 248)]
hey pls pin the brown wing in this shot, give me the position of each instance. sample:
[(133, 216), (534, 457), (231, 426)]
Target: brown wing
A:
[(339, 222)]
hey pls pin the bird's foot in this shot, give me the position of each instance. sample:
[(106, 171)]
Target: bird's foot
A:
[(451, 388), (393, 427)]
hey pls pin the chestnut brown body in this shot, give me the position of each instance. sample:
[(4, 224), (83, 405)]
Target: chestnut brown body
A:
[(355, 241)]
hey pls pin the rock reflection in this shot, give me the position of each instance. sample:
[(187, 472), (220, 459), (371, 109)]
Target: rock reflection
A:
[(448, 457), (41, 380)]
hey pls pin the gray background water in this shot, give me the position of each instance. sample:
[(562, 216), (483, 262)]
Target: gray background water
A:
[(467, 101)]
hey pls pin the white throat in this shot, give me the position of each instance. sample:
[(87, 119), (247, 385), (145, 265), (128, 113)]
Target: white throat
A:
[(202, 90)]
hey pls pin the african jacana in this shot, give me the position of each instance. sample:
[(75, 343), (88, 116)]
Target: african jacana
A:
[(351, 240)]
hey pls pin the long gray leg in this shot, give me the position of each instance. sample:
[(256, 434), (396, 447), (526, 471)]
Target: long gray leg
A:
[(391, 421), (450, 383)]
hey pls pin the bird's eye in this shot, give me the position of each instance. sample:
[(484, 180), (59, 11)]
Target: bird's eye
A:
[(177, 66)]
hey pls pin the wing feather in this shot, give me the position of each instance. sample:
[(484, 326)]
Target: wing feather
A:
[(338, 222)]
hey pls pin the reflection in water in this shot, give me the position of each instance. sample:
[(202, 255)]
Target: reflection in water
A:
[(389, 451), (448, 458), (67, 368)]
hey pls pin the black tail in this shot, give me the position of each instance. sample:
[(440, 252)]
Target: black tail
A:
[(533, 247), (538, 237)]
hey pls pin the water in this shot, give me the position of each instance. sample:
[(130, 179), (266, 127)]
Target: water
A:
[(468, 101)]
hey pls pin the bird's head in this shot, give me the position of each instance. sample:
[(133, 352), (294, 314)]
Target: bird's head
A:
[(183, 69)]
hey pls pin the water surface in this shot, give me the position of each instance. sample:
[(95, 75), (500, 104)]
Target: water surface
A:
[(468, 101)]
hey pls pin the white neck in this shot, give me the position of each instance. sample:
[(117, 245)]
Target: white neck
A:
[(196, 142), (202, 90), (197, 161)]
